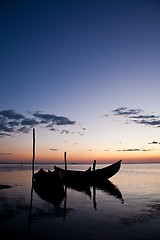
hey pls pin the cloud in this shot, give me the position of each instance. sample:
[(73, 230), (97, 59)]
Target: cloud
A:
[(145, 117), (11, 114), (133, 115), (55, 120), (24, 129), (126, 111), (29, 122), (13, 122), (154, 142), (150, 123), (65, 131), (53, 149), (5, 154), (4, 125), (4, 135), (54, 129), (134, 150)]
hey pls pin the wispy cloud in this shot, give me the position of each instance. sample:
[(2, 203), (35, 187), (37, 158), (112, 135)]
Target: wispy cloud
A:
[(29, 122), (13, 122), (65, 131), (53, 149), (126, 111), (5, 154), (145, 117), (154, 142), (137, 116), (150, 122), (24, 129), (4, 126), (11, 114), (53, 119), (134, 150), (4, 135)]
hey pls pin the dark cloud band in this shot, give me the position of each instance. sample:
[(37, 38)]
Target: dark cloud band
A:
[(11, 114), (134, 150), (12, 122), (133, 115), (55, 120)]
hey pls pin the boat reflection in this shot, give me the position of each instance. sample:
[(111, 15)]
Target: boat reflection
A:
[(109, 188), (80, 187), (51, 193), (56, 195)]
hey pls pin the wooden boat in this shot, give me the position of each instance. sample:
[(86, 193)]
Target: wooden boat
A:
[(49, 186), (99, 175), (69, 176), (50, 192), (47, 179)]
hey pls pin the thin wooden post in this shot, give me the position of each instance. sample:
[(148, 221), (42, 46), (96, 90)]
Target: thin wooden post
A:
[(94, 165), (33, 153), (65, 161)]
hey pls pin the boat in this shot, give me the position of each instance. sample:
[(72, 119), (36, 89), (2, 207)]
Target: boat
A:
[(47, 179), (49, 186), (94, 176), (50, 192), (100, 175), (69, 176)]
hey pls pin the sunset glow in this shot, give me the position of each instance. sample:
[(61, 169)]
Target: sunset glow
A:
[(85, 75)]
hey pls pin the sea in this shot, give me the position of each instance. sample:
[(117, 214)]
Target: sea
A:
[(127, 207)]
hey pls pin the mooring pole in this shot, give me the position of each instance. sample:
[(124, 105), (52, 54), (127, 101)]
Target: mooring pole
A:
[(94, 165), (65, 161), (33, 153)]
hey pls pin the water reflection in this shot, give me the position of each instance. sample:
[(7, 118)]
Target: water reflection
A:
[(53, 195), (90, 211), (149, 212), (56, 195), (80, 187), (109, 188)]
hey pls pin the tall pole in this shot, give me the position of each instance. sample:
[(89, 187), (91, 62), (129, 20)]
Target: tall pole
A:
[(94, 165), (33, 153), (65, 161)]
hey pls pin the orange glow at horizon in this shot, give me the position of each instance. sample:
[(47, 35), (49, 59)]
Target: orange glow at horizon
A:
[(81, 156)]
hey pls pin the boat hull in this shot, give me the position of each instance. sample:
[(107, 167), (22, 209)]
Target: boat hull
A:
[(103, 174), (89, 176)]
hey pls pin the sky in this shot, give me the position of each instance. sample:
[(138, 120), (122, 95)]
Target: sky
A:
[(85, 74)]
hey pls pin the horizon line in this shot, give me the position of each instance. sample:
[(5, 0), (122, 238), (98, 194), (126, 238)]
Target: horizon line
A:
[(75, 163)]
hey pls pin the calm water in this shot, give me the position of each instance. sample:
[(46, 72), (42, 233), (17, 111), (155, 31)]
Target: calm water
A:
[(128, 209)]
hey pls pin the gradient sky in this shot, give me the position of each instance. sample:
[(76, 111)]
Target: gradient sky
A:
[(85, 74)]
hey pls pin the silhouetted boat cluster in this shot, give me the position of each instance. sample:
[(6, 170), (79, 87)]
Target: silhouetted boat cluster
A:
[(98, 175), (51, 185), (60, 175)]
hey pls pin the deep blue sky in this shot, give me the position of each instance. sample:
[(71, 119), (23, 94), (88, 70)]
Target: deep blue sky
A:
[(80, 59)]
